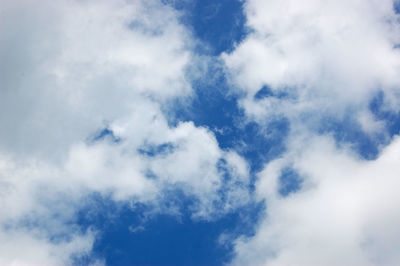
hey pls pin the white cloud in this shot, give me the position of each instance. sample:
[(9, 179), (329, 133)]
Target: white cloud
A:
[(327, 58), (326, 55), (82, 63), (27, 248), (346, 213), (72, 68)]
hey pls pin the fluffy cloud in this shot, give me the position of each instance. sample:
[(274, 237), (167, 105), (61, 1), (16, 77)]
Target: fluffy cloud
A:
[(70, 69), (84, 63), (346, 212), (83, 89), (322, 55), (37, 250), (322, 59)]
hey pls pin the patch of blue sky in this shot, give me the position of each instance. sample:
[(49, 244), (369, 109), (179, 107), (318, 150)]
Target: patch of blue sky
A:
[(347, 131), (396, 6), (289, 182), (218, 24), (266, 92), (152, 150), (132, 234), (105, 133), (381, 113)]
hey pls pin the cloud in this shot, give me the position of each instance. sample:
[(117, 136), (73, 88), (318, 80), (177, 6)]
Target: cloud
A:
[(38, 250), (310, 62), (325, 56), (82, 64), (73, 68), (83, 93), (346, 212)]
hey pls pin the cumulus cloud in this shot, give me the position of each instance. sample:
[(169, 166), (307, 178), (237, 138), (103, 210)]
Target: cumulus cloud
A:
[(70, 69), (83, 63), (37, 250), (83, 93), (319, 59), (346, 212), (323, 55)]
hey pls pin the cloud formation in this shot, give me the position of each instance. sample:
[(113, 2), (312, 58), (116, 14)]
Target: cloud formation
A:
[(325, 56), (310, 61), (346, 212), (85, 98), (83, 83)]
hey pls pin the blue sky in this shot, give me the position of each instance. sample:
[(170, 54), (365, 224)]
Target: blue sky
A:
[(199, 132)]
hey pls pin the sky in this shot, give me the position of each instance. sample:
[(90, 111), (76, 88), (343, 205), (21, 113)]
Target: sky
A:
[(200, 132)]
